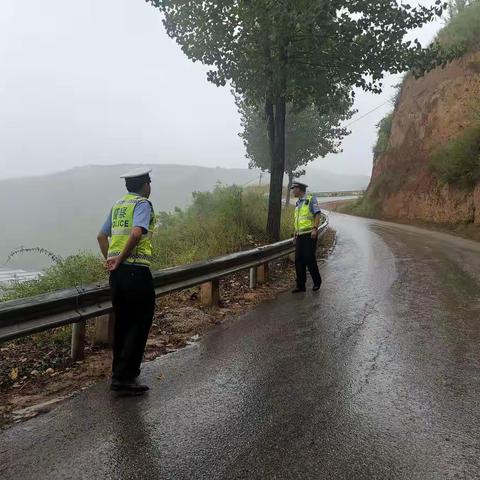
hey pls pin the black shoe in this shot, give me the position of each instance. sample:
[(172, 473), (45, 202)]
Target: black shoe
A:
[(316, 287), (299, 290), (128, 386)]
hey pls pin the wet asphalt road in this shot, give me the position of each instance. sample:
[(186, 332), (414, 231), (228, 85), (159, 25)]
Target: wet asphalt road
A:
[(375, 377)]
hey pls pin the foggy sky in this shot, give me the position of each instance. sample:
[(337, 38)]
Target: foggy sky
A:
[(99, 82)]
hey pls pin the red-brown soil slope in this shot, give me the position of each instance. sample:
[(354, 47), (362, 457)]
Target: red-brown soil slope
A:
[(430, 111)]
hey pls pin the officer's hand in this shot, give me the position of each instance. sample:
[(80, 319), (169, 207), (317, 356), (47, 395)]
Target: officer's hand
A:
[(112, 264), (314, 234)]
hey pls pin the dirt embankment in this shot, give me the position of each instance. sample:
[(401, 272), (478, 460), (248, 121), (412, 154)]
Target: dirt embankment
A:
[(36, 372), (430, 111)]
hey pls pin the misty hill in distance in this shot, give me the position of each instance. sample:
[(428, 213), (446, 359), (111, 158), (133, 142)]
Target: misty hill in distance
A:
[(63, 212)]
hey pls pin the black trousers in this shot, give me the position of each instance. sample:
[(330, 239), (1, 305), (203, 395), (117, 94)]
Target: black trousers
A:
[(305, 257), (133, 298)]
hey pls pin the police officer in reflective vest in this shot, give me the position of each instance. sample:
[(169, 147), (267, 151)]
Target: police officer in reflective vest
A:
[(307, 221), (128, 255)]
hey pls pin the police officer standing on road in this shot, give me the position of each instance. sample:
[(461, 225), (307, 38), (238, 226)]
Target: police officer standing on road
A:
[(307, 221), (128, 256)]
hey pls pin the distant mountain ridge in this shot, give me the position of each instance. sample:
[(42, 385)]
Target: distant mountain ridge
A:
[(63, 212)]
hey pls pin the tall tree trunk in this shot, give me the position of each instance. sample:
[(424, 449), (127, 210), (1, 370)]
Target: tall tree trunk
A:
[(269, 113), (290, 181), (277, 170)]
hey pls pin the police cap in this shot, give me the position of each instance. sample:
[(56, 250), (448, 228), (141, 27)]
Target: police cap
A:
[(136, 173), (300, 185)]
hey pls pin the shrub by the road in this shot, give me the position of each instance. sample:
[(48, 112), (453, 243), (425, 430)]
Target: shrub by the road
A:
[(79, 269), (229, 219), (226, 220)]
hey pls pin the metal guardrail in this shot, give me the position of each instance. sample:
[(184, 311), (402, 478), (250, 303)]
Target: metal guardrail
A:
[(340, 193), (43, 312)]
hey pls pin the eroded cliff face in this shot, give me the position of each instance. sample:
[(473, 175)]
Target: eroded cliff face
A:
[(430, 111)]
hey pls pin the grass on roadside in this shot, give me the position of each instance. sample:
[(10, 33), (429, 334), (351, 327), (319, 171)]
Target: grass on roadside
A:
[(363, 207)]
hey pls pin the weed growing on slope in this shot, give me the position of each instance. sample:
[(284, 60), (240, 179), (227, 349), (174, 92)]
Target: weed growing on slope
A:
[(463, 30), (458, 161), (384, 127)]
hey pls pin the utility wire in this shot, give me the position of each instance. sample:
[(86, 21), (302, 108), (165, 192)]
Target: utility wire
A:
[(365, 114), (346, 126), (253, 180)]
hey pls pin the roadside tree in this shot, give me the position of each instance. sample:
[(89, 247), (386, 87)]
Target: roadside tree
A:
[(299, 52), (308, 136)]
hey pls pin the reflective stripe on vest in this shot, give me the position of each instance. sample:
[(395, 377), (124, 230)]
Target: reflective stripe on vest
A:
[(304, 218), (122, 225)]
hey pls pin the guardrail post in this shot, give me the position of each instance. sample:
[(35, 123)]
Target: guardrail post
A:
[(262, 273), (104, 326), (253, 277), (78, 341), (210, 293)]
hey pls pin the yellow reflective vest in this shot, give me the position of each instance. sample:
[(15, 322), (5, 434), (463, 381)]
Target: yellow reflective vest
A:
[(304, 218), (122, 226)]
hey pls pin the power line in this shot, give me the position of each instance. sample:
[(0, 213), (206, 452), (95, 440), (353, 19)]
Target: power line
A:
[(368, 113), (253, 180), (346, 126)]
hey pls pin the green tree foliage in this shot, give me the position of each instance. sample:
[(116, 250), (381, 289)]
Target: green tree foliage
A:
[(308, 136), (300, 52)]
